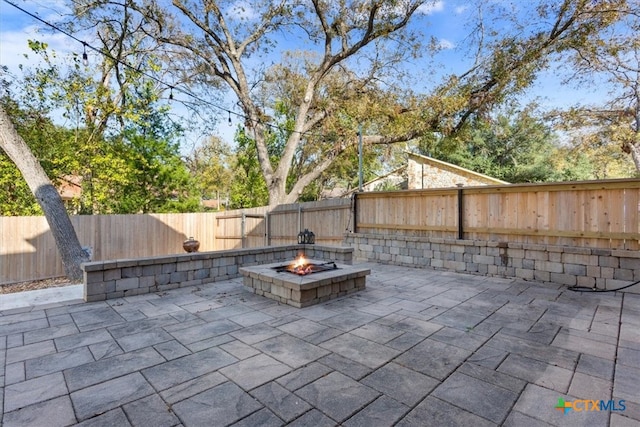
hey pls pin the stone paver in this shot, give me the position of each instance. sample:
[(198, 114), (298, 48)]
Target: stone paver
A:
[(57, 362), (415, 348), (150, 411), (291, 350), (303, 376), (433, 412), (225, 404), (537, 372), (178, 371), (54, 412), (349, 367), (32, 391), (476, 396), (280, 401), (366, 352), (402, 384), (113, 393), (384, 411), (255, 371), (108, 368), (434, 358), (337, 395)]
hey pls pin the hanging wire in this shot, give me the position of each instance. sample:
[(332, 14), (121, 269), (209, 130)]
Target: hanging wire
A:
[(269, 126)]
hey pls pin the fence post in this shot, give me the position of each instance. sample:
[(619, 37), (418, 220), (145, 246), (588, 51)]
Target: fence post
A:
[(360, 157), (355, 212), (242, 229), (460, 212), (266, 229)]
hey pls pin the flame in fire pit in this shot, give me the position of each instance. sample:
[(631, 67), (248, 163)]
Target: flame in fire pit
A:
[(301, 266)]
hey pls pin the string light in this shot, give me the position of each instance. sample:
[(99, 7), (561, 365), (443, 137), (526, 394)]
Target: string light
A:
[(85, 58), (85, 61)]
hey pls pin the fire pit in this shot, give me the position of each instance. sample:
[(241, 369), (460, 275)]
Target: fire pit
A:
[(301, 266), (304, 282)]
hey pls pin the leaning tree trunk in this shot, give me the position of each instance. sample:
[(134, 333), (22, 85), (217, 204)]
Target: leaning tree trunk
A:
[(47, 196)]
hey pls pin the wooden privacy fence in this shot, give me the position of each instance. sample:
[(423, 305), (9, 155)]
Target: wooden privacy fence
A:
[(280, 225), (598, 214), (28, 250)]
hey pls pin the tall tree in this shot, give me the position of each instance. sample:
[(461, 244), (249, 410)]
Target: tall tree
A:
[(222, 41), (155, 179), (15, 196), (613, 57), (514, 145), (47, 196), (210, 165), (248, 188), (226, 43), (124, 145)]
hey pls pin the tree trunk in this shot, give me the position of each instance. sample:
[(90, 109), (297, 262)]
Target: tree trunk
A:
[(47, 196), (634, 150)]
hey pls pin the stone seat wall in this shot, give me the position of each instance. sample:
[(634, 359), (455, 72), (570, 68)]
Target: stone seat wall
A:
[(126, 277), (565, 265)]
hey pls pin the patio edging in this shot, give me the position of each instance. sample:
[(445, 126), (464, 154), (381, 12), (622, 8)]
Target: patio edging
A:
[(566, 265), (126, 277)]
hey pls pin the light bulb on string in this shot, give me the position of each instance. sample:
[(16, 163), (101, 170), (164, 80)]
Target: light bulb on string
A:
[(170, 93), (230, 123), (85, 57)]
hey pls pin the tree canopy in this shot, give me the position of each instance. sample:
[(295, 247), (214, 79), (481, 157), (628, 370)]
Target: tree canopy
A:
[(353, 51), (610, 58), (117, 140), (303, 77)]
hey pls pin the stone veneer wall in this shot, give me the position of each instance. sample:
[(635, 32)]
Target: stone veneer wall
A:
[(431, 173), (581, 266), (126, 277)]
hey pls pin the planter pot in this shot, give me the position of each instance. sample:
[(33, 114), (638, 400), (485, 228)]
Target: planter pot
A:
[(191, 245)]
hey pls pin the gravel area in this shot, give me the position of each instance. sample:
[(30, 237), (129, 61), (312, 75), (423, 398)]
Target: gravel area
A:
[(35, 284)]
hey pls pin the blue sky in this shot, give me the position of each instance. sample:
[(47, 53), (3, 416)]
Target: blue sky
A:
[(443, 19)]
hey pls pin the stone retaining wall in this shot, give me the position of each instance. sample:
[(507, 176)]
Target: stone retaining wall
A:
[(119, 278), (602, 268)]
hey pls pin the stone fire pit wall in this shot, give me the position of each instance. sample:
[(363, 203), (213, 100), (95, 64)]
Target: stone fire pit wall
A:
[(126, 277), (303, 291)]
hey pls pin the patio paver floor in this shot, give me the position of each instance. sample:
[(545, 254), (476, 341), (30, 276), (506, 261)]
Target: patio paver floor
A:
[(417, 347)]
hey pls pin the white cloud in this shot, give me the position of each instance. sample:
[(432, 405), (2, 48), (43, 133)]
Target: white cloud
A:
[(460, 9), (431, 7), (17, 28), (445, 44), (14, 45)]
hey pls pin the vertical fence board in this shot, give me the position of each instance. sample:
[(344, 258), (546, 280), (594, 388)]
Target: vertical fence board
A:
[(633, 206)]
